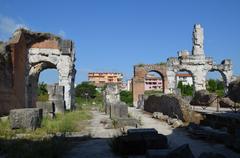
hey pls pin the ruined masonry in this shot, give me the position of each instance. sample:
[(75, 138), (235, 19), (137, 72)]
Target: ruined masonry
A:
[(23, 58), (195, 63)]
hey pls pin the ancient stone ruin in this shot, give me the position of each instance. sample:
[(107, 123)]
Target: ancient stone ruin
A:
[(112, 104), (196, 63), (23, 58)]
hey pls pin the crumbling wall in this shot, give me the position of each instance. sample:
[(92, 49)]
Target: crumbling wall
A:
[(12, 75), (22, 59)]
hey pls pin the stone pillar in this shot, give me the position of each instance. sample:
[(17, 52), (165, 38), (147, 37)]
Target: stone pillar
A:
[(199, 80), (138, 89), (171, 77), (198, 41), (56, 97)]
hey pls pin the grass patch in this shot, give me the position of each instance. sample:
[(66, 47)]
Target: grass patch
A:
[(25, 148), (153, 92), (42, 142)]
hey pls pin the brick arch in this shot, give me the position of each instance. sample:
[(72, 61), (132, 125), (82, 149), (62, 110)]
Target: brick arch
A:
[(140, 71)]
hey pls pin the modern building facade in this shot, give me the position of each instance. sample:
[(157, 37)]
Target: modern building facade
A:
[(185, 78), (99, 79), (151, 82)]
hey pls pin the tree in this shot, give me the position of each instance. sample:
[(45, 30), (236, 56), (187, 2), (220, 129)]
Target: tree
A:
[(212, 85), (186, 90), (127, 97), (85, 89), (42, 89)]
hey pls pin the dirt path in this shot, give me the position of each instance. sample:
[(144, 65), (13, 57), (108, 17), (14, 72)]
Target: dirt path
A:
[(98, 146)]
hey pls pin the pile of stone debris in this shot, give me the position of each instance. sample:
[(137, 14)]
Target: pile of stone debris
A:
[(174, 122), (148, 142)]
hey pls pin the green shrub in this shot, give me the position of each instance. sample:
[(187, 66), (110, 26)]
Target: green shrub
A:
[(127, 97)]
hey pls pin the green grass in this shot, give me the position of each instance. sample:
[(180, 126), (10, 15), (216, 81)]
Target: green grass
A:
[(63, 123), (42, 142), (153, 92), (42, 97)]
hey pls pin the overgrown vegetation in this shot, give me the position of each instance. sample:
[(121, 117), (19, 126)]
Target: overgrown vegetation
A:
[(216, 86), (42, 142), (42, 92), (127, 97), (186, 90), (88, 96), (153, 92), (86, 90)]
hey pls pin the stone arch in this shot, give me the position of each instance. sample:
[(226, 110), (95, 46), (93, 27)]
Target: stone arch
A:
[(33, 79), (55, 53), (224, 77), (140, 71)]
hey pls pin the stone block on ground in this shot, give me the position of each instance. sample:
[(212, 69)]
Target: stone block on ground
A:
[(211, 155), (142, 131), (59, 106), (45, 106), (153, 153), (183, 151), (234, 90), (138, 141), (122, 122), (28, 118), (119, 110), (204, 98), (171, 105)]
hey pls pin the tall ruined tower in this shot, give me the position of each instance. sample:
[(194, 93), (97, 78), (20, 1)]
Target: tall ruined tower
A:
[(198, 41)]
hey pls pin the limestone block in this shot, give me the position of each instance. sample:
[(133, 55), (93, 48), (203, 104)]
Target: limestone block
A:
[(171, 105), (183, 151), (119, 110), (29, 118), (45, 106), (55, 92)]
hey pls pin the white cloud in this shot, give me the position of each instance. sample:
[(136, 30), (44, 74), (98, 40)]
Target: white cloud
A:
[(62, 33), (8, 26)]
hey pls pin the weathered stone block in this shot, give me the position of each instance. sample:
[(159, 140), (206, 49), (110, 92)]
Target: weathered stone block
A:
[(45, 106), (55, 92), (29, 118), (171, 105), (234, 90), (183, 151), (204, 98), (59, 106), (139, 144), (119, 110), (153, 153)]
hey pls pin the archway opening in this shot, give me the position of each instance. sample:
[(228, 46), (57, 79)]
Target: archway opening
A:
[(185, 83), (47, 77), (216, 82), (153, 83)]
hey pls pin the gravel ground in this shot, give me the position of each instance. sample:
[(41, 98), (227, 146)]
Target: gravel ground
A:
[(98, 146)]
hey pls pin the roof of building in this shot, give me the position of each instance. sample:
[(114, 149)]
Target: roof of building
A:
[(184, 75)]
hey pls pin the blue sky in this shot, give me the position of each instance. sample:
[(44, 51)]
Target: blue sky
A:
[(113, 35)]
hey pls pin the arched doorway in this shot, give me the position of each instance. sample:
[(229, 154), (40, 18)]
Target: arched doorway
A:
[(153, 83), (33, 80), (216, 82), (140, 72), (184, 82), (46, 77)]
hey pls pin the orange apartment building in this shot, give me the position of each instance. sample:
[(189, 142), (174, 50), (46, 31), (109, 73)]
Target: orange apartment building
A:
[(100, 79)]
